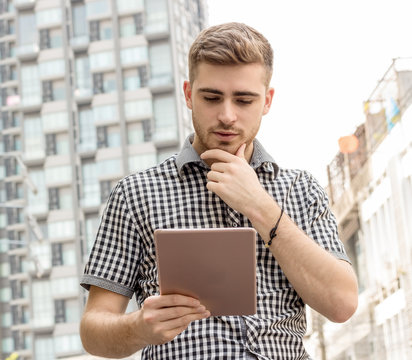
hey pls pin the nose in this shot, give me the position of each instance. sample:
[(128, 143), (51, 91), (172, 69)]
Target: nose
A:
[(227, 113)]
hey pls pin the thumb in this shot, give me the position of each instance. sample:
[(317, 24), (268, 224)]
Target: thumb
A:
[(241, 151)]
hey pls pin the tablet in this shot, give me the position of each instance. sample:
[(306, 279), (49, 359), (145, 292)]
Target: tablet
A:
[(216, 266)]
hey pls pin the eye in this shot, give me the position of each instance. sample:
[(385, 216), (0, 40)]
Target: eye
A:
[(244, 101), (211, 98)]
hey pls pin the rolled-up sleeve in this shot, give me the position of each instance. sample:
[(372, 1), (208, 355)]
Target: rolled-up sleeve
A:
[(114, 260)]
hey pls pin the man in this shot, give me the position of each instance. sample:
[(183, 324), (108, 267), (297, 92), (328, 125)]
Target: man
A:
[(222, 177)]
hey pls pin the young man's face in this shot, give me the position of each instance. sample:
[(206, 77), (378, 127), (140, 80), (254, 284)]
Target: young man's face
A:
[(227, 103)]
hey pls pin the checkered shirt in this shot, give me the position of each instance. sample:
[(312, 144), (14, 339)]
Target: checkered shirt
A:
[(174, 195)]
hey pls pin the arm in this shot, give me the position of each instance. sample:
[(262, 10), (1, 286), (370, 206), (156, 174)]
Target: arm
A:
[(106, 330), (324, 282)]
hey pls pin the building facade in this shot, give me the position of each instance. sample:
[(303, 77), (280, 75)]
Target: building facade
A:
[(371, 194), (90, 91)]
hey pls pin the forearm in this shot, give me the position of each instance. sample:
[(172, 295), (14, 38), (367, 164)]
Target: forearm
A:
[(110, 335), (324, 282)]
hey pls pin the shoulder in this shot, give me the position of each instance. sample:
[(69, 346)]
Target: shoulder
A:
[(151, 177)]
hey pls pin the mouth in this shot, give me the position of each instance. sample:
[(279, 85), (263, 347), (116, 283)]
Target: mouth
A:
[(225, 135)]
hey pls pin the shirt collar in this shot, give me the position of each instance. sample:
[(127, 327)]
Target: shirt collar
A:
[(260, 157)]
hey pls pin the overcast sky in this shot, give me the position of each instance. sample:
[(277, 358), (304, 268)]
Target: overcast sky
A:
[(329, 56)]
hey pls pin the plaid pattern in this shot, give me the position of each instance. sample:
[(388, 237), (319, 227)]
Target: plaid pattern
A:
[(174, 195)]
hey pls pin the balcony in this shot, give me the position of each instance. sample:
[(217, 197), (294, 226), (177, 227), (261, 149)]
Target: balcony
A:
[(161, 83), (79, 43), (27, 52), (24, 4)]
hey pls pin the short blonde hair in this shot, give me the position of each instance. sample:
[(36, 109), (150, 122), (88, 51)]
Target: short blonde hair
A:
[(231, 44)]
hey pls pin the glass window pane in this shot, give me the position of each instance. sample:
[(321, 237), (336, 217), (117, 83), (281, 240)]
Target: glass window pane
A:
[(101, 60), (87, 130), (134, 55), (91, 186), (52, 68), (165, 118), (58, 174), (98, 7), (31, 91), (34, 138), (61, 229), (135, 133), (64, 286), (79, 20), (27, 29), (160, 60), (83, 77), (127, 5), (156, 16), (55, 121), (138, 108), (142, 161), (48, 16), (105, 113), (110, 167), (42, 303), (44, 348)]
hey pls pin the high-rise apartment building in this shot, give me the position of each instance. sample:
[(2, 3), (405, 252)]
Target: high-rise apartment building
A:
[(91, 90)]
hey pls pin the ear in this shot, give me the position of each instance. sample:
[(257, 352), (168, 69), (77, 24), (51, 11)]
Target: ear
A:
[(187, 89), (268, 100)]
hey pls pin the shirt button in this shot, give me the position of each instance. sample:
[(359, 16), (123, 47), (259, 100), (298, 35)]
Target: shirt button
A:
[(234, 224)]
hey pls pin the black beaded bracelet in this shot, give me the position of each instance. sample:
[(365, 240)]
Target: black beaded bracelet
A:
[(272, 233)]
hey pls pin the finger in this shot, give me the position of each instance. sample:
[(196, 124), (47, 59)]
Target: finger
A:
[(184, 321), (217, 154), (241, 151), (169, 314), (161, 301), (216, 176)]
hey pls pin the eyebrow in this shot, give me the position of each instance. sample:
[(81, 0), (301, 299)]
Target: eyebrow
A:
[(235, 93)]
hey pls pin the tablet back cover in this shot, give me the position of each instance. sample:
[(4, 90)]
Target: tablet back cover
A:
[(216, 266)]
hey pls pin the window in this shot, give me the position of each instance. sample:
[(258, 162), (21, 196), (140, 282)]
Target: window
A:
[(55, 121), (98, 7), (52, 68), (135, 133), (79, 19), (91, 187), (61, 229), (134, 55), (64, 286), (101, 60), (104, 83), (127, 5), (91, 223), (105, 30), (48, 16), (44, 348), (108, 136), (31, 91), (67, 343), (33, 133), (83, 77), (138, 108), (142, 161), (160, 64), (105, 113), (135, 78), (110, 167), (165, 118), (27, 29), (156, 16), (87, 136), (42, 304), (127, 27), (58, 174)]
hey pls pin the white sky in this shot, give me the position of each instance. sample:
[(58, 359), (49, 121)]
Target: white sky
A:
[(329, 56)]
